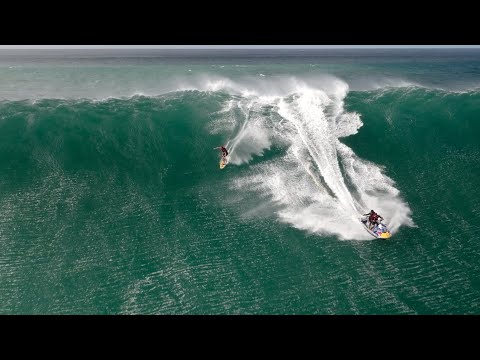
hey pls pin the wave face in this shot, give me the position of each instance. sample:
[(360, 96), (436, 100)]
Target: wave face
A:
[(113, 202)]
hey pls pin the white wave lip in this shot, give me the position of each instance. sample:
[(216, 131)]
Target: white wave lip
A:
[(319, 185)]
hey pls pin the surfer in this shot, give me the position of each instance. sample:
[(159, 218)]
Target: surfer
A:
[(373, 218), (224, 151)]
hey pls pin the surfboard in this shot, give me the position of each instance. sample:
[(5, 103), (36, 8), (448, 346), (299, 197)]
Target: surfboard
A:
[(223, 162)]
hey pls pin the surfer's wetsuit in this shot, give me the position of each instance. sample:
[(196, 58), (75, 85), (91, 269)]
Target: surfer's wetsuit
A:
[(224, 151)]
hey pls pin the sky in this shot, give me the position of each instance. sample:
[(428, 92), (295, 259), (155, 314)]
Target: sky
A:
[(234, 46)]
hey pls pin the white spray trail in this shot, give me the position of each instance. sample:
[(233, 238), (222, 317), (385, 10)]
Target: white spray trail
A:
[(232, 144), (306, 113)]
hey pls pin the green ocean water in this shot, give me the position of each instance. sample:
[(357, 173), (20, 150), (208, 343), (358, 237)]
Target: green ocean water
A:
[(112, 201)]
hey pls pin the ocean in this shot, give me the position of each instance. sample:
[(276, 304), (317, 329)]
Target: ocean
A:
[(112, 200)]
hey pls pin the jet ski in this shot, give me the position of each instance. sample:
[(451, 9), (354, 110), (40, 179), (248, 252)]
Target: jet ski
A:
[(380, 231)]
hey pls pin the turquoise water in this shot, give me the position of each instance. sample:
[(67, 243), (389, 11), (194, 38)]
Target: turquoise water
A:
[(112, 201)]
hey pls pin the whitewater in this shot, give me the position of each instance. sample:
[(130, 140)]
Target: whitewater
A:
[(319, 183)]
